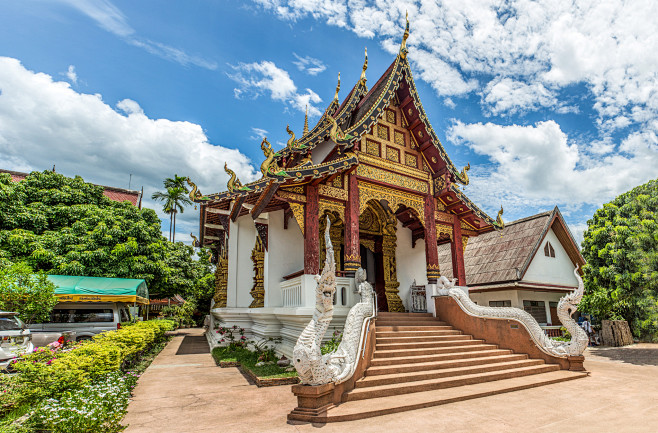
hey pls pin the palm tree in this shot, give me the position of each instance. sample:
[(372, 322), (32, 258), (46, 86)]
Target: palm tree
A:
[(175, 200)]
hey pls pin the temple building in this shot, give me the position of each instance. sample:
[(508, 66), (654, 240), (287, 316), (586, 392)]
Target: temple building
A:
[(375, 169)]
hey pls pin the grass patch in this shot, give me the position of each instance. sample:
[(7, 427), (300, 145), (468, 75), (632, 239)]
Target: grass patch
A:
[(248, 360)]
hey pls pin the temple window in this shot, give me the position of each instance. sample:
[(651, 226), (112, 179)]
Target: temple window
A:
[(549, 251), (537, 309), (500, 303)]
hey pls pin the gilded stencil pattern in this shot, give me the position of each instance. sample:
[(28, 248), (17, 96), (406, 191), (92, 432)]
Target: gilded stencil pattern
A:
[(442, 231), (292, 196), (369, 191), (466, 226), (258, 259), (221, 280), (392, 154), (330, 191), (391, 178), (411, 160), (441, 216), (368, 243), (382, 132), (298, 212), (372, 147), (399, 138), (402, 169), (338, 181), (330, 205), (390, 116)]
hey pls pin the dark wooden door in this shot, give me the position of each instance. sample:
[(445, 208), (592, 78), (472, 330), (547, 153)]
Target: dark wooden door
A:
[(380, 285)]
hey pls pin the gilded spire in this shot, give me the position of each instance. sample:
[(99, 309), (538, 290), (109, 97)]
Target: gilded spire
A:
[(365, 66), (306, 122), (337, 89), (403, 47)]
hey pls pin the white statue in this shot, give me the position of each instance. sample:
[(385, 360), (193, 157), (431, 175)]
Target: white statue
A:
[(336, 367), (565, 308)]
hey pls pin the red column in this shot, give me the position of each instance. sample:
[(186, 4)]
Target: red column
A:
[(311, 232), (431, 252), (457, 247), (352, 260)]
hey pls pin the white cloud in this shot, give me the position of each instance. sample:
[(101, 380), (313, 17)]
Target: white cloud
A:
[(72, 75), (508, 96), (258, 133), (256, 78), (111, 19), (539, 166), (545, 44), (310, 65), (45, 122)]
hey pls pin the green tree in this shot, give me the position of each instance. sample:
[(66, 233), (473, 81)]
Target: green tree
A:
[(31, 295), (621, 249), (175, 200), (65, 226)]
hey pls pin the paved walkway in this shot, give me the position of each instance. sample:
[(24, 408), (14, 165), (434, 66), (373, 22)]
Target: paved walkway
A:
[(189, 394)]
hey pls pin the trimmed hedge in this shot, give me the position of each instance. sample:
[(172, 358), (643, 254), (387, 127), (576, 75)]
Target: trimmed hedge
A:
[(45, 373)]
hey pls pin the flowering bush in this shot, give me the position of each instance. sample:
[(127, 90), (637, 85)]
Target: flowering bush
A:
[(228, 336), (96, 407)]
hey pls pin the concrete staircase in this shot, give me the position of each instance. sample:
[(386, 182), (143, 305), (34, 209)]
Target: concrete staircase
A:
[(420, 361)]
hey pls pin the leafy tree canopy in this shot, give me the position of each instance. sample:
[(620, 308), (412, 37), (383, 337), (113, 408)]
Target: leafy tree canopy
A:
[(66, 226), (621, 249), (31, 295)]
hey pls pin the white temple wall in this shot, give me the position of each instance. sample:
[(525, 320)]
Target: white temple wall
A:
[(231, 285), (410, 262), (556, 270), (246, 239), (285, 255)]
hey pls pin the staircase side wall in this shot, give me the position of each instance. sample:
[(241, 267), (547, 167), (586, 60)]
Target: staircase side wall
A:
[(361, 367), (507, 334)]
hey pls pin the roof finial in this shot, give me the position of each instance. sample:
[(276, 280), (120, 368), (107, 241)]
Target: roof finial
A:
[(403, 47), (305, 122), (365, 66), (337, 89), (499, 219)]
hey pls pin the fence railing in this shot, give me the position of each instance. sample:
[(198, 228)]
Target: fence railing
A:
[(291, 292), (552, 331)]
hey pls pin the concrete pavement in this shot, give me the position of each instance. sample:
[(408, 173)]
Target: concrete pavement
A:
[(187, 393)]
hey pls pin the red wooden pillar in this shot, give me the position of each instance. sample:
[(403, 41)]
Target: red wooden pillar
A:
[(457, 248), (431, 252), (311, 232), (352, 260)]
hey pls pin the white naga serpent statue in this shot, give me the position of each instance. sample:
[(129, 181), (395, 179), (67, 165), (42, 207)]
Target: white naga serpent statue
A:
[(565, 308), (338, 366)]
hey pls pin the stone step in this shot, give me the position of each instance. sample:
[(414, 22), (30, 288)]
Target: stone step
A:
[(397, 353), (401, 334), (425, 322), (413, 338), (399, 377), (361, 409), (449, 363), (445, 382), (414, 318), (425, 344), (394, 327), (450, 356), (403, 315)]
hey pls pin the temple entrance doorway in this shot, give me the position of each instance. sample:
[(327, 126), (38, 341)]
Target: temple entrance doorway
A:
[(377, 236)]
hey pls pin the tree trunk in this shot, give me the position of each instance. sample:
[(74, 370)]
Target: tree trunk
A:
[(173, 238), (616, 333), (170, 221)]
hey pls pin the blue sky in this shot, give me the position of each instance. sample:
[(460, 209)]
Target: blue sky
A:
[(551, 103)]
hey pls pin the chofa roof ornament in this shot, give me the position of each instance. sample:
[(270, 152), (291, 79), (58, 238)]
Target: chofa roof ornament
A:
[(403, 46), (365, 66), (499, 219), (337, 89)]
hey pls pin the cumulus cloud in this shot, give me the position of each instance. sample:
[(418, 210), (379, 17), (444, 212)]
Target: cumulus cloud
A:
[(310, 65), (531, 48), (45, 122), (539, 165), (110, 18), (72, 75), (256, 78)]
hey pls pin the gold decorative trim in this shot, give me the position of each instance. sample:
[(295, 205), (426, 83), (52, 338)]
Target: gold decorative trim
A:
[(381, 175), (221, 280), (258, 259), (292, 196), (298, 213), (333, 192), (368, 243), (398, 168), (331, 205), (442, 229), (369, 191)]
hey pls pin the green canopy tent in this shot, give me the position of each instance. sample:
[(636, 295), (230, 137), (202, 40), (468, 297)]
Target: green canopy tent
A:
[(96, 289)]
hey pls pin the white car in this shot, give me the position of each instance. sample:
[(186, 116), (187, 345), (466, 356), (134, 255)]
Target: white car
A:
[(15, 338)]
